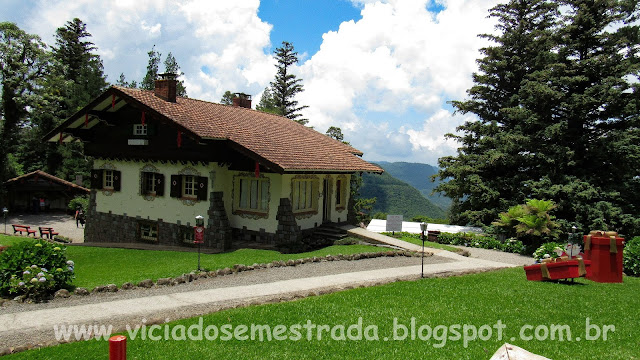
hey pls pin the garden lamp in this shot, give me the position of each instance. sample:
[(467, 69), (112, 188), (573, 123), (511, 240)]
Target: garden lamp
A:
[(4, 214), (423, 229)]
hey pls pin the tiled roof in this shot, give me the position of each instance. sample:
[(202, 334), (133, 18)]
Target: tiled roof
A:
[(45, 175), (289, 145)]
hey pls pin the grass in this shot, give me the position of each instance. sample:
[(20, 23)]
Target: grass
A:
[(481, 299), (95, 266), (431, 244)]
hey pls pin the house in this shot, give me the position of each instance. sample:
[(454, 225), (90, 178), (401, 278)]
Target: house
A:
[(39, 191), (161, 160)]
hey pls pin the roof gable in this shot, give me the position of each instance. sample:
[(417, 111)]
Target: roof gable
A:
[(265, 137)]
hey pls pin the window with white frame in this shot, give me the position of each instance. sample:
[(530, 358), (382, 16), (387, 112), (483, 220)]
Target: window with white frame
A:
[(139, 129), (149, 231), (108, 179), (189, 186), (252, 194), (303, 198)]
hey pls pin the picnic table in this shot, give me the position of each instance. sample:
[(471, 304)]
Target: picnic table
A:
[(47, 231), (23, 228)]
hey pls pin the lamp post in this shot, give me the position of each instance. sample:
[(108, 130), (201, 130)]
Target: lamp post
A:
[(573, 236), (423, 230), (198, 237), (4, 214)]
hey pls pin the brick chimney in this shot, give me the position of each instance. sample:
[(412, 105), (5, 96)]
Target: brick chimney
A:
[(165, 87), (242, 100)]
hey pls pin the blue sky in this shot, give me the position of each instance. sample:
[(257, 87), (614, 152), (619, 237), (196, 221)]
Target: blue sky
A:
[(382, 70)]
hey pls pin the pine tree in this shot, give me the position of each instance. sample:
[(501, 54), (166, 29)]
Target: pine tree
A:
[(23, 63), (286, 86), (267, 103), (171, 66), (558, 117), (495, 155), (227, 98), (149, 80)]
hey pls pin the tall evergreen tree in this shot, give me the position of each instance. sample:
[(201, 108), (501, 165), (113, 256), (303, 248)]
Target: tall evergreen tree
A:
[(286, 86), (267, 103), (494, 156), (23, 62), (227, 98), (171, 66), (149, 80), (556, 106)]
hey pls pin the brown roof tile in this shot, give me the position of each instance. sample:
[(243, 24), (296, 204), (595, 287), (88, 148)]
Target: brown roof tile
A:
[(291, 146)]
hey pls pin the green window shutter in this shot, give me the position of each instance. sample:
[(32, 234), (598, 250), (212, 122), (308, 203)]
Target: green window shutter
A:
[(117, 175), (202, 187), (143, 183), (152, 129), (159, 184), (96, 179), (176, 186)]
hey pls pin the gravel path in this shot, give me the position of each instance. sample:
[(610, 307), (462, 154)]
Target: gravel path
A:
[(237, 279), (63, 224), (499, 256)]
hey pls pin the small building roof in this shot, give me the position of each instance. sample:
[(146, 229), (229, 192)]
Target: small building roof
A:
[(289, 146), (41, 174)]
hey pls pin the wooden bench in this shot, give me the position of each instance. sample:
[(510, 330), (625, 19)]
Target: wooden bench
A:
[(23, 228), (47, 231)]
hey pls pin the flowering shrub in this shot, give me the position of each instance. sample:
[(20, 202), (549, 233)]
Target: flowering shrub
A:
[(513, 246), (548, 250), (631, 257), (35, 269)]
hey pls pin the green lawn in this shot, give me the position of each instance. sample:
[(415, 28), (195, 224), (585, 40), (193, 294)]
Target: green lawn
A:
[(431, 244), (482, 299), (96, 266)]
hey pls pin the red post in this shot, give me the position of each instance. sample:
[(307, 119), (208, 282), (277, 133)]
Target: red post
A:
[(118, 347)]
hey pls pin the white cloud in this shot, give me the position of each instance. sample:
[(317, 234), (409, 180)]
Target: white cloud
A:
[(225, 37), (399, 58)]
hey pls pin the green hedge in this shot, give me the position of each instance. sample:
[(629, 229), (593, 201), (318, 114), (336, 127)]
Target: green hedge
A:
[(631, 257)]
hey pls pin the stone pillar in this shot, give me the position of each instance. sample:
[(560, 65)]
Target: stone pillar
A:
[(288, 235), (218, 230), (91, 224)]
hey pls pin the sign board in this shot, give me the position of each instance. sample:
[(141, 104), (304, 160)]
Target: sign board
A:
[(394, 223), (198, 235)]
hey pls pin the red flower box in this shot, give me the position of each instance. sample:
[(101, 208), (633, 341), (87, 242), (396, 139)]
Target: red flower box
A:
[(567, 269)]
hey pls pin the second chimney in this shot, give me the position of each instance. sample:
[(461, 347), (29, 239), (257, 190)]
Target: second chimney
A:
[(242, 100), (165, 87)]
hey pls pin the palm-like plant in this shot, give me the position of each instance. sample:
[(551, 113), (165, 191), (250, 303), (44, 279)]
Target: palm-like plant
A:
[(531, 220)]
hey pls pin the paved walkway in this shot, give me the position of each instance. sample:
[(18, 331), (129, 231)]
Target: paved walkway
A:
[(36, 326)]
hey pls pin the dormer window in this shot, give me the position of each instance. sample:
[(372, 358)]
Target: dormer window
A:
[(140, 130)]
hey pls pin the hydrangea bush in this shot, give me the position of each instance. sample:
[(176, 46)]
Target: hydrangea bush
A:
[(35, 269), (548, 250), (631, 257)]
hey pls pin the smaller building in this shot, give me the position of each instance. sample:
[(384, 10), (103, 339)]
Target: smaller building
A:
[(39, 191)]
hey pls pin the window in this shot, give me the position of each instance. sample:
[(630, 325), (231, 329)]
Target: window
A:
[(152, 184), (139, 129), (253, 194), (304, 195), (108, 179), (149, 231), (105, 179), (189, 186), (341, 193)]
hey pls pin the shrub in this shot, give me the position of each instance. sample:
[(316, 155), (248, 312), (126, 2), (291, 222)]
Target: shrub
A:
[(43, 256), (631, 257), (547, 250), (513, 246), (79, 201)]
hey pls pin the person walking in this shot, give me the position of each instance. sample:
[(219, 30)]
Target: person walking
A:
[(79, 217)]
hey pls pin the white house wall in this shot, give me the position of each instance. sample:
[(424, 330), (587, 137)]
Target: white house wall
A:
[(131, 203)]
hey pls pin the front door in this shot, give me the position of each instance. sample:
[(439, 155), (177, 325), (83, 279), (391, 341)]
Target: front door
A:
[(326, 201)]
